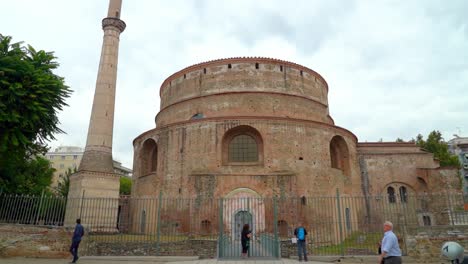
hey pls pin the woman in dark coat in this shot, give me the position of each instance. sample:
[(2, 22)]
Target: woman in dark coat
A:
[(245, 240)]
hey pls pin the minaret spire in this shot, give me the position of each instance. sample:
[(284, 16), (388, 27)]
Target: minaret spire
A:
[(98, 151), (114, 8)]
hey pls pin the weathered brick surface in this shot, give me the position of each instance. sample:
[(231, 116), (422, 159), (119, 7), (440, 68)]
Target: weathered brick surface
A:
[(404, 163)]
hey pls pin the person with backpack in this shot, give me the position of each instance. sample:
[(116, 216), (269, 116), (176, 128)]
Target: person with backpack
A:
[(300, 232)]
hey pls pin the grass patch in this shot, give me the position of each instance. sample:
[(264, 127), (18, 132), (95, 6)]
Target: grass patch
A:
[(356, 244)]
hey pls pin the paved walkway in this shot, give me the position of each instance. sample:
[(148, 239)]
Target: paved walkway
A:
[(144, 260)]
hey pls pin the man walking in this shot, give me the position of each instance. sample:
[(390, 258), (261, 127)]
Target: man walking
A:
[(76, 239), (391, 253), (301, 233)]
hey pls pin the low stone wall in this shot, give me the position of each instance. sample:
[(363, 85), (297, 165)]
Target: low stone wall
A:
[(33, 241), (200, 248), (288, 248), (424, 243)]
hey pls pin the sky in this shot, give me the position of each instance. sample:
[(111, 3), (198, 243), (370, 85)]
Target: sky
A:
[(394, 68)]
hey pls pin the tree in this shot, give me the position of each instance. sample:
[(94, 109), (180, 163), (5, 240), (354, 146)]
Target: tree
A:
[(436, 145), (399, 140), (125, 186), (63, 185), (31, 176), (30, 97)]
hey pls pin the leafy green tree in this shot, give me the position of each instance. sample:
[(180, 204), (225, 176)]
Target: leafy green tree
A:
[(125, 186), (31, 176), (436, 145), (399, 140), (30, 97), (63, 185)]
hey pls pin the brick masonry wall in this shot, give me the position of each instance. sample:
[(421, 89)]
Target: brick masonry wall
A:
[(200, 248), (31, 241), (424, 244)]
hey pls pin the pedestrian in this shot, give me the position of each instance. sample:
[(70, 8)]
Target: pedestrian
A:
[(76, 239), (245, 240), (300, 232), (391, 253)]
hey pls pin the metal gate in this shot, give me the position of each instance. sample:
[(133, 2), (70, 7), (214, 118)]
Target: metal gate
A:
[(261, 216)]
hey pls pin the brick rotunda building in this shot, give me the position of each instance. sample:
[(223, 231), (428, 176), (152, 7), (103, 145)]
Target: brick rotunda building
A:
[(259, 128), (245, 126)]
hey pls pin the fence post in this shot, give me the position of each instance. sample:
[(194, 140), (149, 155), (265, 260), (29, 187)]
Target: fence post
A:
[(275, 227), (158, 227), (451, 214), (221, 230), (340, 224), (39, 208)]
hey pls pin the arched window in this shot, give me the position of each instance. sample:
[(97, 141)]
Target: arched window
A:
[(391, 195), (149, 157), (403, 194), (339, 154), (243, 148), (242, 144)]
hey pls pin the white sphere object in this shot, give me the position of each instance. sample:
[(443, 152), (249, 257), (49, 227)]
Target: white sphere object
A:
[(452, 250)]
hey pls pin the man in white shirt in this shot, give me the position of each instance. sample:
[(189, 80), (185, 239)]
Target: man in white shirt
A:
[(391, 253)]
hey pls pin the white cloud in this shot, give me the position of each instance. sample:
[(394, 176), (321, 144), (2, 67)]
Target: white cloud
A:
[(394, 68)]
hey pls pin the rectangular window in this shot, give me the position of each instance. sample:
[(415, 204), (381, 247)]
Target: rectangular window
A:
[(62, 166), (63, 157), (75, 157)]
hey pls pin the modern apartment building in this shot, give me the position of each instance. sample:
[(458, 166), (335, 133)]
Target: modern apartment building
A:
[(459, 146), (69, 157)]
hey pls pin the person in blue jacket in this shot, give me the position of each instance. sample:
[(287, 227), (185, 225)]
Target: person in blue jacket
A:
[(300, 232), (76, 239)]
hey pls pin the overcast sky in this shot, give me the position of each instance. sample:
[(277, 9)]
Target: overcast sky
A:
[(394, 68)]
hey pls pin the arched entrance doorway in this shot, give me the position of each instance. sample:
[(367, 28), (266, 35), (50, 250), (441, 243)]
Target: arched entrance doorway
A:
[(240, 219), (245, 206)]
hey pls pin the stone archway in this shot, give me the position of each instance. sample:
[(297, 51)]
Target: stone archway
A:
[(247, 201), (245, 206)]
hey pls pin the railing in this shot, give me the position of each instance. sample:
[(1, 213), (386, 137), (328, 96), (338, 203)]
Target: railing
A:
[(336, 225)]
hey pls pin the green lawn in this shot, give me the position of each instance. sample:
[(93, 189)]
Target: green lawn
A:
[(358, 242)]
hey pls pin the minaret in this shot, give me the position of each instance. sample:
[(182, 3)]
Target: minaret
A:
[(95, 177), (98, 153)]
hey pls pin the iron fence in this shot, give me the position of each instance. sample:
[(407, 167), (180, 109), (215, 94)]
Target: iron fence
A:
[(336, 225)]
